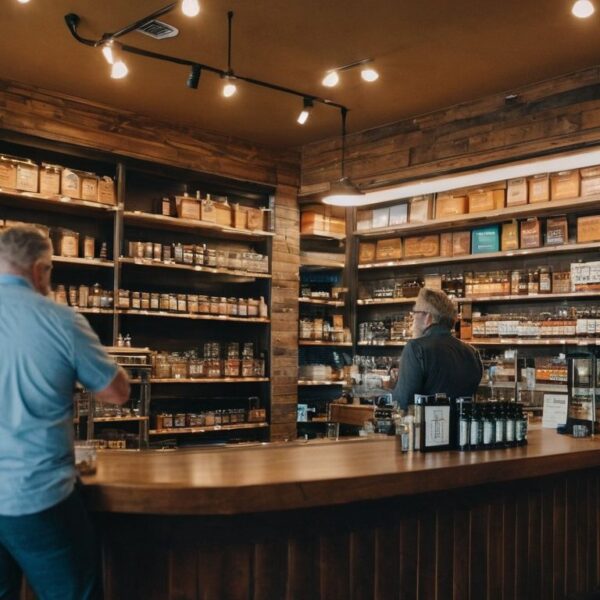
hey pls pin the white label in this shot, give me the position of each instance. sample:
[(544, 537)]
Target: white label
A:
[(510, 430), (488, 432), (555, 410), (437, 426)]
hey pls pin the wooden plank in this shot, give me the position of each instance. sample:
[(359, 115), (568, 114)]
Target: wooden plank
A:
[(547, 541), (461, 554), (510, 545), (521, 546), (362, 565), (560, 536), (387, 553), (303, 569), (408, 568), (334, 561), (426, 583), (270, 570), (534, 546), (495, 550), (478, 551)]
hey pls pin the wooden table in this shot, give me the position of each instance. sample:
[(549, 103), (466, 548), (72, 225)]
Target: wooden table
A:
[(350, 520)]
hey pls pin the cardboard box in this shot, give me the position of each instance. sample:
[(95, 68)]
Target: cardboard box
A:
[(446, 244), (364, 220), (590, 186), (8, 173), (106, 190), (588, 229), (366, 252), (239, 216), (516, 191), (461, 243), (564, 185), (223, 213), (381, 217), (539, 188), (398, 214), (486, 199), (388, 249), (89, 187), (448, 205), (27, 176), (433, 282), (420, 209), (485, 239), (426, 246), (50, 179), (510, 236), (70, 183), (590, 171), (187, 208), (531, 233), (336, 225), (557, 231), (67, 243)]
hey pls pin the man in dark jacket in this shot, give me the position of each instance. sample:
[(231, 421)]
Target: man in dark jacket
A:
[(434, 361)]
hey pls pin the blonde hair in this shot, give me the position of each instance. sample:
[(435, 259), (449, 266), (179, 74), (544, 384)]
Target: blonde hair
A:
[(22, 245), (442, 309)]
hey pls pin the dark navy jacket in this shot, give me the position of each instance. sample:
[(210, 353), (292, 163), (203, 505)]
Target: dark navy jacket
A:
[(437, 362)]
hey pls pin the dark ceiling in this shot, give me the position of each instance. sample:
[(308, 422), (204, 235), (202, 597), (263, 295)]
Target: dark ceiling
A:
[(430, 54)]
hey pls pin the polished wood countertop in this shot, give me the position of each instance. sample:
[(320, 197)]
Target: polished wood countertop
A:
[(225, 481)]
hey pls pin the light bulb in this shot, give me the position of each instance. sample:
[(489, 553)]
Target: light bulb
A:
[(583, 9), (229, 89), (23, 1), (331, 79), (190, 8), (119, 69), (107, 51), (303, 117), (369, 74)]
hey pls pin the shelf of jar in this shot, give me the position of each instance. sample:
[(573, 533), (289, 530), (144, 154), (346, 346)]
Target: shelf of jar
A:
[(174, 223), (198, 380), (384, 301), (539, 209), (317, 261), (524, 252), (534, 341), (207, 429), (317, 382), (54, 201), (387, 343), (322, 235), (191, 316), (87, 262), (118, 419), (321, 302), (539, 387), (94, 311), (323, 343), (140, 262)]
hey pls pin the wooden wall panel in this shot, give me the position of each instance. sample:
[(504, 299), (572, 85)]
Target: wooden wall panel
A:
[(556, 114)]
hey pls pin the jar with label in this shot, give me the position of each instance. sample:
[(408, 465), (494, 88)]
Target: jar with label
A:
[(545, 280), (523, 283), (178, 253), (105, 299), (89, 244), (157, 251), (148, 250), (162, 366), (124, 299), (248, 350), (196, 367), (167, 253), (181, 303), (199, 255), (188, 254), (231, 367), (259, 366), (179, 366), (179, 420), (164, 302), (210, 257), (97, 295), (242, 307), (136, 300), (232, 307), (235, 261), (60, 295), (221, 259), (68, 243), (84, 292), (172, 302), (73, 295), (203, 304), (103, 251), (247, 367), (514, 282), (252, 307), (145, 301), (533, 282), (214, 305), (192, 301), (222, 306), (209, 418), (154, 301)]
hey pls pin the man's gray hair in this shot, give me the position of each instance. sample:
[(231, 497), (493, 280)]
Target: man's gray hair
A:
[(442, 309), (21, 246)]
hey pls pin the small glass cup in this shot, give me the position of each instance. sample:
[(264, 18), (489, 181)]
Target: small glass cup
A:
[(333, 431), (85, 457)]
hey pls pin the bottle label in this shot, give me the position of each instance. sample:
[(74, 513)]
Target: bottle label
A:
[(475, 439), (488, 432), (463, 433), (510, 430), (499, 431), (521, 430)]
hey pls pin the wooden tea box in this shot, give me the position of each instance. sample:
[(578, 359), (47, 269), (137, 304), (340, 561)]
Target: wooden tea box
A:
[(255, 219), (461, 243), (531, 233), (588, 229), (539, 188), (366, 252), (487, 199), (446, 244), (89, 187), (557, 231), (590, 181), (388, 249), (223, 212), (70, 183), (564, 185), (364, 220), (8, 172), (510, 236), (27, 176), (516, 191), (187, 208), (207, 210), (106, 190), (448, 205), (426, 246), (420, 209), (239, 216), (50, 179)]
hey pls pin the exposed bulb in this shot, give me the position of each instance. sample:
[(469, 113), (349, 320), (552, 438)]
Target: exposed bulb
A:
[(23, 1), (119, 69), (303, 117), (369, 74), (331, 79), (190, 8), (229, 89), (107, 51), (583, 9)]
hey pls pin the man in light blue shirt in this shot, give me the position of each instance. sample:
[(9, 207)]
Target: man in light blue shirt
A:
[(44, 349)]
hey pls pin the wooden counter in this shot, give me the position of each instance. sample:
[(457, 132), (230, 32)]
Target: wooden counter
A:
[(350, 520)]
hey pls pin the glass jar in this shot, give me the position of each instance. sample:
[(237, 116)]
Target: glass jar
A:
[(235, 261), (223, 306), (178, 253), (192, 303), (84, 292), (214, 305), (136, 300), (221, 259), (253, 307), (73, 295), (210, 258), (196, 367), (182, 303), (199, 255), (231, 367), (154, 301), (148, 250), (156, 251), (242, 307), (60, 294), (167, 253), (203, 304), (162, 366), (179, 366), (232, 307), (545, 281), (164, 302), (124, 300), (145, 303)]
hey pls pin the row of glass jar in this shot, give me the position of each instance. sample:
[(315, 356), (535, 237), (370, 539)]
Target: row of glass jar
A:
[(190, 366), (393, 329), (83, 296), (199, 255), (208, 418), (320, 329)]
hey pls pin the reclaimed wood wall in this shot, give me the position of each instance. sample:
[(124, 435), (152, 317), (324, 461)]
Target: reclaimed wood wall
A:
[(557, 114), (524, 540), (60, 118)]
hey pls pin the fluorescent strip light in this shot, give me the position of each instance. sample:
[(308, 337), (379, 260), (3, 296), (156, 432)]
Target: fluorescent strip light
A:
[(565, 162)]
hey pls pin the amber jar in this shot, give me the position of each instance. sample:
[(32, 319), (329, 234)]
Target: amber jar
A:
[(196, 367), (154, 301), (157, 251), (148, 250), (242, 307), (223, 306), (545, 281), (124, 300), (73, 295), (214, 305), (145, 300), (192, 301), (162, 366), (188, 254), (209, 418), (231, 367), (182, 303), (172, 302), (136, 300), (199, 255), (252, 307), (60, 294), (203, 304), (164, 302), (232, 307)]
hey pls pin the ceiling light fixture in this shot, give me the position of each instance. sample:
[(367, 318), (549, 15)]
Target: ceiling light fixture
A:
[(369, 74), (332, 77), (107, 52), (194, 77), (119, 69), (583, 9), (343, 192), (229, 88), (22, 1), (190, 8), (306, 110)]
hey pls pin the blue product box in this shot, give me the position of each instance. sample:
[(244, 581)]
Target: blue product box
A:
[(485, 239)]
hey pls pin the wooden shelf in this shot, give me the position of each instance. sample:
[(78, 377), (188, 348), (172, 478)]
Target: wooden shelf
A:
[(139, 262), (322, 343), (212, 380), (439, 260), (539, 387), (384, 301), (94, 311), (540, 209), (208, 429), (85, 262), (323, 235), (191, 316), (383, 344), (173, 223), (321, 302), (317, 382), (54, 202), (534, 342), (118, 419), (317, 260)]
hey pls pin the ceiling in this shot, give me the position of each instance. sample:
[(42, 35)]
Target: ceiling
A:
[(430, 54)]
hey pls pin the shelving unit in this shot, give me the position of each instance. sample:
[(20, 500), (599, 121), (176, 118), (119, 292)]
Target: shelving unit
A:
[(208, 429), (191, 316)]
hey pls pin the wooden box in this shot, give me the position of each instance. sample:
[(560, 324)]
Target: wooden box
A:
[(208, 212), (486, 199), (539, 188), (364, 220), (50, 180), (187, 208), (564, 185), (366, 252), (510, 236), (67, 243), (70, 183), (239, 216), (420, 209), (388, 249), (255, 218), (590, 181), (446, 244), (447, 205), (557, 231), (336, 225), (381, 217), (313, 222), (516, 191), (433, 282), (27, 176), (89, 187), (8, 173), (425, 246), (223, 213), (398, 214), (531, 233), (588, 229), (461, 243), (106, 190)]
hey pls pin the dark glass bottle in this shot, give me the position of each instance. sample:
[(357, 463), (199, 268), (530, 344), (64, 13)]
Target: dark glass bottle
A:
[(520, 426), (489, 426), (510, 435), (476, 428), (463, 423), (500, 419)]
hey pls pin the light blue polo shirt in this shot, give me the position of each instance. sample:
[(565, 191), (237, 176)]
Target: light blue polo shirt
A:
[(44, 349)]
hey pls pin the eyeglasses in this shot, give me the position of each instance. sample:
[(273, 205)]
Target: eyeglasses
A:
[(419, 312)]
